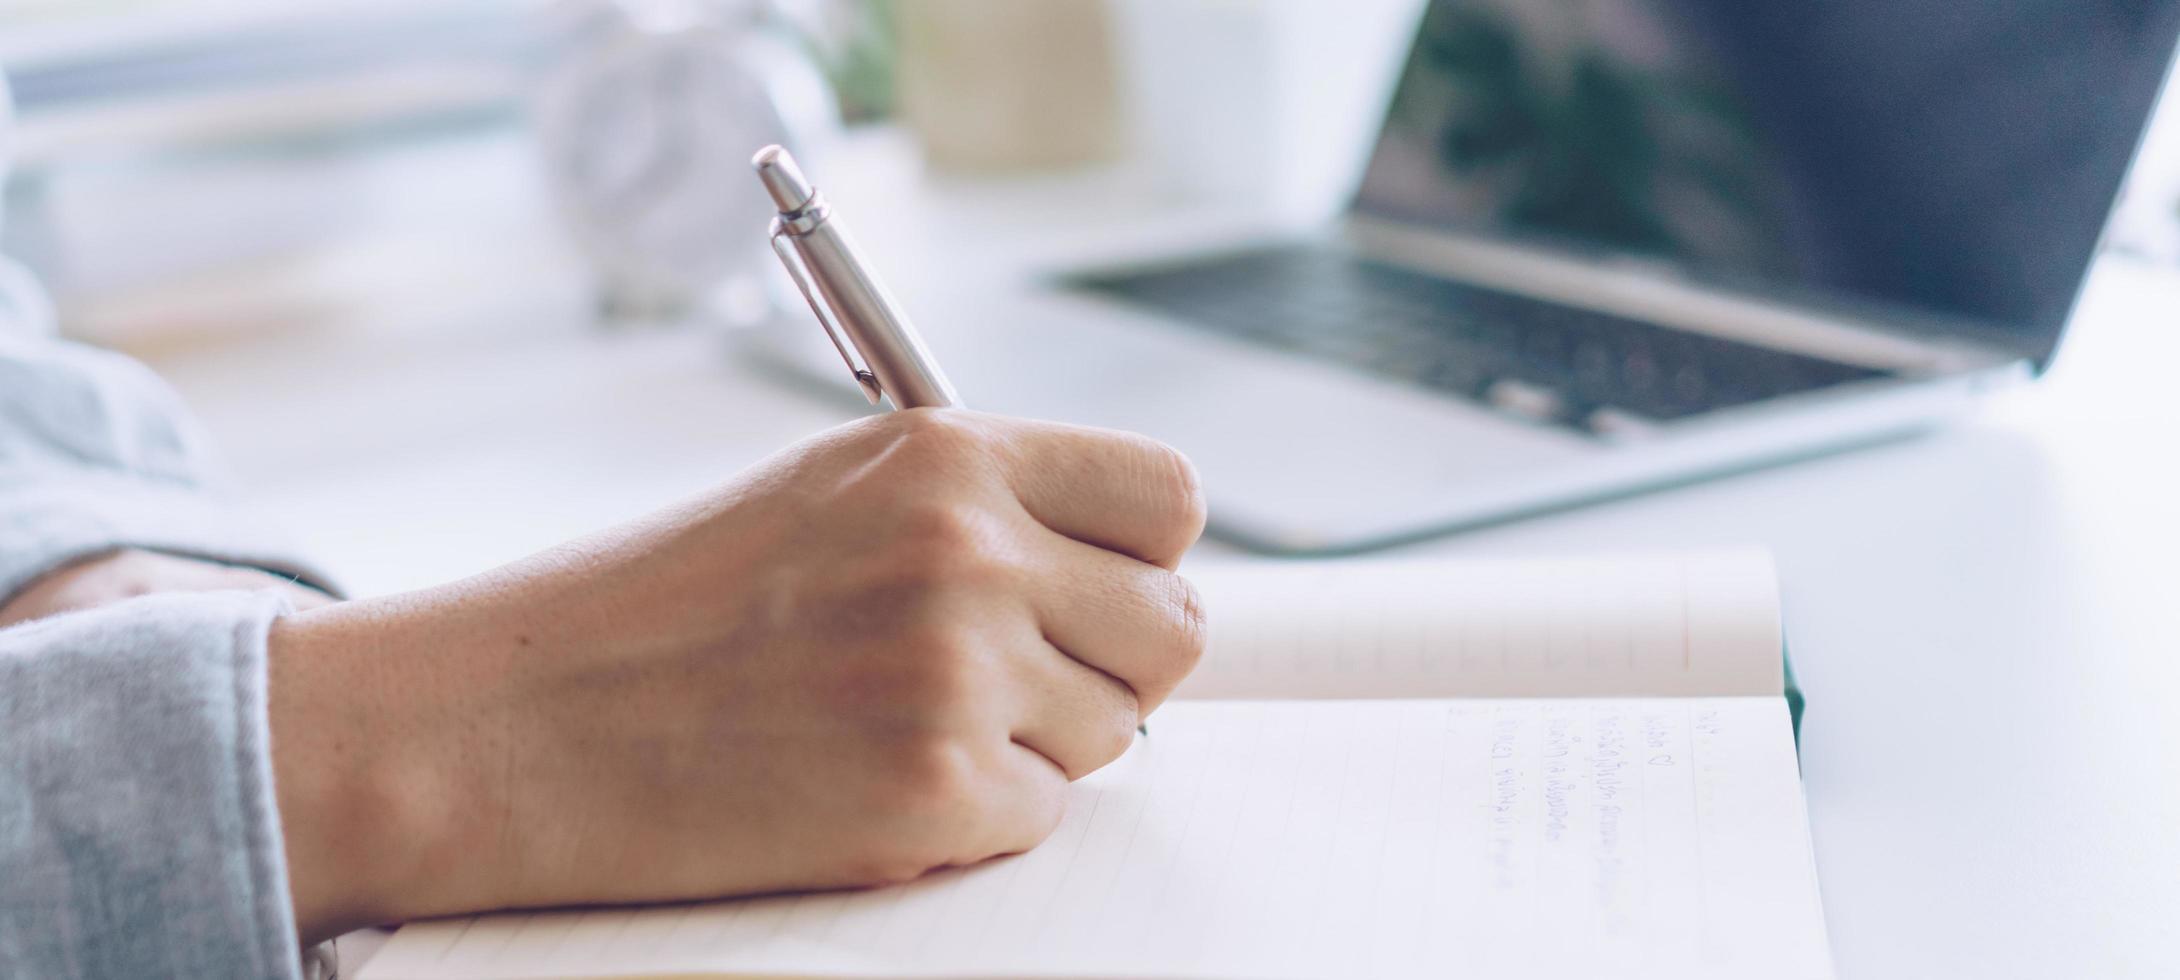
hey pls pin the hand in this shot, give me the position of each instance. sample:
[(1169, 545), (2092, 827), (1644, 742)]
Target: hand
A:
[(129, 573), (883, 651)]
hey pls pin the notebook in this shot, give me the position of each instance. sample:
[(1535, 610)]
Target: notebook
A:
[(1558, 768)]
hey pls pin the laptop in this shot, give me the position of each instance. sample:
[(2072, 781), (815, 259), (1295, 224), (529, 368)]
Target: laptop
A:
[(1610, 246)]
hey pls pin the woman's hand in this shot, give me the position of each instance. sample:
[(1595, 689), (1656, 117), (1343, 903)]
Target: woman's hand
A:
[(883, 651)]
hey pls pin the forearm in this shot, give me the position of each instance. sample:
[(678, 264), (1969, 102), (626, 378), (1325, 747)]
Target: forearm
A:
[(407, 727)]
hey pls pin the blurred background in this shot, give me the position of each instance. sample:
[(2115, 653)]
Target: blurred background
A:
[(165, 146), (413, 258)]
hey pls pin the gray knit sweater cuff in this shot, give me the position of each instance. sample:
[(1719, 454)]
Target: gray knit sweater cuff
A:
[(96, 454), (139, 835)]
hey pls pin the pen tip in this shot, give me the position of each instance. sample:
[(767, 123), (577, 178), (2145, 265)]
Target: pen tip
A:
[(776, 169)]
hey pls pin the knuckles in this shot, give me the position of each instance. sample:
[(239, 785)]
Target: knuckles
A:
[(949, 451), (928, 790), (926, 440), (907, 664), (946, 542), (930, 481), (929, 777), (919, 453)]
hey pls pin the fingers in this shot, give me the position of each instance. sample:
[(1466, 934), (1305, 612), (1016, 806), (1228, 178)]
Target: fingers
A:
[(1116, 490), (1070, 713), (1108, 640), (946, 802), (1065, 539), (1027, 797), (1136, 623)]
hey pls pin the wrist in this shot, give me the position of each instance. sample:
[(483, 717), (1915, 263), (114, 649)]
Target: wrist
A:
[(358, 772)]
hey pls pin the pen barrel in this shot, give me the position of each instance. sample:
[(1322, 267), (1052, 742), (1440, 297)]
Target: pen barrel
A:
[(874, 320)]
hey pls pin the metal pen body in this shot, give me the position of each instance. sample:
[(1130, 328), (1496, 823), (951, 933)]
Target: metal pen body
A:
[(872, 318), (843, 293)]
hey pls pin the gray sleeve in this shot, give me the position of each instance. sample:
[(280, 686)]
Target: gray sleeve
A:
[(138, 831), (97, 454)]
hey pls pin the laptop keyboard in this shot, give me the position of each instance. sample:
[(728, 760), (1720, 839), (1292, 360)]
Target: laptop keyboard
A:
[(1594, 372)]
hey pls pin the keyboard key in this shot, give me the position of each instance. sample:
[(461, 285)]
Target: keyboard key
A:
[(1526, 400)]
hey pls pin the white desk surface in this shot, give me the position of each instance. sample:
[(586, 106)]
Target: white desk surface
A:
[(1986, 620)]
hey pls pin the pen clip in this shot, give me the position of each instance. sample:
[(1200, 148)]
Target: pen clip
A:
[(800, 274)]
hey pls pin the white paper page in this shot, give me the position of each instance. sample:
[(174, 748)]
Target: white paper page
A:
[(1621, 838), (1704, 623)]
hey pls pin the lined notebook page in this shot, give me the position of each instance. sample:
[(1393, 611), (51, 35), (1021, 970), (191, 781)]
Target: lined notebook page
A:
[(1621, 838), (1671, 624)]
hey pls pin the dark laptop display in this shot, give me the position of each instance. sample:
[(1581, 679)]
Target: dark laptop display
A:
[(1932, 165), (1928, 156)]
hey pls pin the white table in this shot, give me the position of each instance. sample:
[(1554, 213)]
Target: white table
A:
[(1986, 620)]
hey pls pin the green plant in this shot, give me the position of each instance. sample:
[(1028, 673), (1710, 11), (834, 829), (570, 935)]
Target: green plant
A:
[(858, 50)]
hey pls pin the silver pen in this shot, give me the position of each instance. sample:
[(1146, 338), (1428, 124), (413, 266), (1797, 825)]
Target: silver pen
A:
[(862, 319), (851, 304)]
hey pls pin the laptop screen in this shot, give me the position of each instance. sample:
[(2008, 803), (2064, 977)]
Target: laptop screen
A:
[(1935, 164)]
